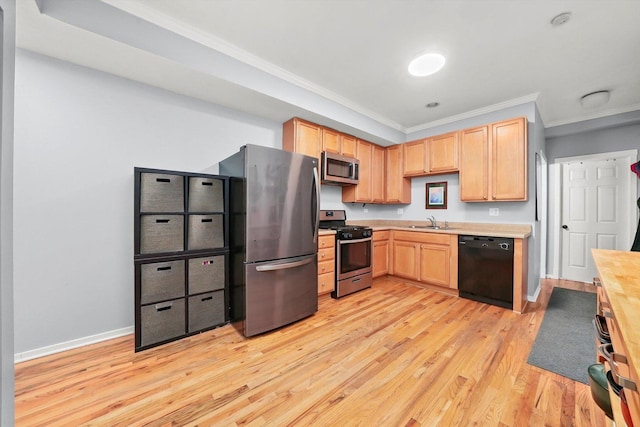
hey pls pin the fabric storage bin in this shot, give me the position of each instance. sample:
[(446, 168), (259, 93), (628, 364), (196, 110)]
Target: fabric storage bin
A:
[(206, 311), (206, 274), (162, 321), (161, 281), (206, 195), (161, 233), (161, 192), (205, 232)]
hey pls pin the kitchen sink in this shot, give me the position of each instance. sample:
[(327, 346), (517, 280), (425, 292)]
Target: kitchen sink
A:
[(431, 227)]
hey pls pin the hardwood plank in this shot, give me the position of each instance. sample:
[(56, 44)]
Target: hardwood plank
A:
[(396, 354)]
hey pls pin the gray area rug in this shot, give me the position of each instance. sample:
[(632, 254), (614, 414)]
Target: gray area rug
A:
[(565, 342)]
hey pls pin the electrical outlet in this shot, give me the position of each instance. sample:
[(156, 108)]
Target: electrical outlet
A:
[(494, 212), (366, 210), (400, 211)]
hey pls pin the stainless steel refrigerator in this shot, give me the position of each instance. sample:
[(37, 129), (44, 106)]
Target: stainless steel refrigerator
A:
[(275, 199)]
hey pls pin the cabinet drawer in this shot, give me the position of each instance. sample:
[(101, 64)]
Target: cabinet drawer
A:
[(421, 237), (326, 241), (162, 321), (206, 311), (326, 282), (380, 235), (161, 281), (206, 195), (206, 274), (161, 193), (326, 267), (205, 232), (161, 233), (326, 254)]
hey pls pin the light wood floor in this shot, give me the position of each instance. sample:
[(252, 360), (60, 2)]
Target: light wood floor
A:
[(394, 355)]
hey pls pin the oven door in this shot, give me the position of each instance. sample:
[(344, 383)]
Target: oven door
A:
[(353, 257)]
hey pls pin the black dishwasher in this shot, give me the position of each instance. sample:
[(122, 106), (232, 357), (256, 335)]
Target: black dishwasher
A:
[(485, 269)]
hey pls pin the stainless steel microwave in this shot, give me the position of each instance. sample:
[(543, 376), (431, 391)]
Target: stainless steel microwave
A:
[(339, 170)]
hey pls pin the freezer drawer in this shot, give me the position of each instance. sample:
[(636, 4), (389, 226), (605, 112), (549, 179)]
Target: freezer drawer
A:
[(206, 195), (161, 233), (161, 193), (162, 321), (161, 281), (280, 292), (206, 311), (206, 232), (206, 274)]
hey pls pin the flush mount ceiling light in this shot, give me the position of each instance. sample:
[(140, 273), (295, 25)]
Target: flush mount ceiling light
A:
[(432, 104), (595, 99), (427, 64), (558, 20)]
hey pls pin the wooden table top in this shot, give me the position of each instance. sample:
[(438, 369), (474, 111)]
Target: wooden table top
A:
[(620, 276)]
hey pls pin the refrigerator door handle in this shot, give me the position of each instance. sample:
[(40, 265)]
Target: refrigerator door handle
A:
[(316, 212), (284, 265)]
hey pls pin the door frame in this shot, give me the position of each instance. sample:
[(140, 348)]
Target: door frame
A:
[(557, 215)]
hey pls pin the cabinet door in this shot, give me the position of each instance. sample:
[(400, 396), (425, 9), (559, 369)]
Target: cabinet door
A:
[(434, 264), (348, 144), (302, 137), (474, 164), (415, 158), (405, 259), (398, 188), (509, 160), (377, 174), (330, 140), (443, 153), (380, 258)]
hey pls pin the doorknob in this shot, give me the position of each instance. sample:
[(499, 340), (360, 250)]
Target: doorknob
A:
[(566, 227)]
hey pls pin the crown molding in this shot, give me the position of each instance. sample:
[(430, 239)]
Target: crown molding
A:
[(473, 113)]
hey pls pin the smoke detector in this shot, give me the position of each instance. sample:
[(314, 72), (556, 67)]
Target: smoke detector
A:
[(558, 20)]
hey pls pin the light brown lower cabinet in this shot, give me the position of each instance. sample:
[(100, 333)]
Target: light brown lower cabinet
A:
[(429, 258), (326, 264), (380, 253)]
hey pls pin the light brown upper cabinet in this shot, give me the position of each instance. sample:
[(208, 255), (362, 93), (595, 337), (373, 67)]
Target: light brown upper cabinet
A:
[(331, 141), (378, 174), (434, 155), (415, 158), (302, 137), (348, 145), (442, 153), (398, 188), (493, 162), (363, 191)]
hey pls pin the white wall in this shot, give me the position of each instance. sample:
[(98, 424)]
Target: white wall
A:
[(79, 133), (7, 34)]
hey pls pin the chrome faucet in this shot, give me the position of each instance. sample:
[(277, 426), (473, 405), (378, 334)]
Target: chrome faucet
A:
[(432, 220)]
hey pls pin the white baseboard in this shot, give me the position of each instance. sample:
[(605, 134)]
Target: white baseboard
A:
[(534, 298), (68, 345)]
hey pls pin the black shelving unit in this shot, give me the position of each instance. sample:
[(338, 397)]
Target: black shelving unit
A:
[(181, 254)]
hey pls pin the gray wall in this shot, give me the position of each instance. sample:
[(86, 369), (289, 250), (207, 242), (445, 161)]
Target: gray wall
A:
[(7, 10), (583, 139), (79, 133), (457, 211)]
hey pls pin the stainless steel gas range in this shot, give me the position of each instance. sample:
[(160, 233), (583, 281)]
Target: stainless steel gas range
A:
[(353, 253)]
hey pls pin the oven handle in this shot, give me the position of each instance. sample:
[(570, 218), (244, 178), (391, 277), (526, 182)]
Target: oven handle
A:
[(344, 242)]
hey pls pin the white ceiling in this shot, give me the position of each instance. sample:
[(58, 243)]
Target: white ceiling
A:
[(355, 53)]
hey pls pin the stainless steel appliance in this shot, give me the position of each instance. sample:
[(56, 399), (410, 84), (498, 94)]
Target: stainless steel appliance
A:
[(353, 253), (274, 237), (339, 170), (485, 269)]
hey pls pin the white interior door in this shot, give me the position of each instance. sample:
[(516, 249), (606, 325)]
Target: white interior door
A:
[(595, 212)]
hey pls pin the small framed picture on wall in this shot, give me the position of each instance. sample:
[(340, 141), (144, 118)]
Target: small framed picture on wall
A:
[(436, 195)]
